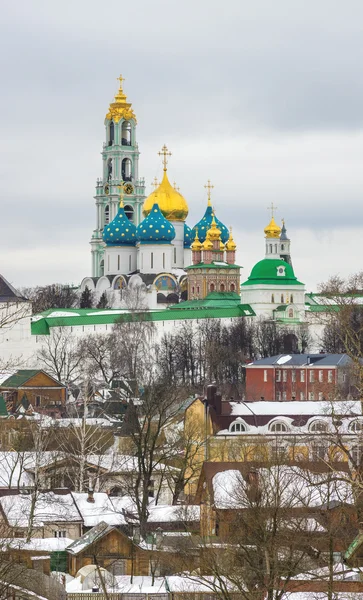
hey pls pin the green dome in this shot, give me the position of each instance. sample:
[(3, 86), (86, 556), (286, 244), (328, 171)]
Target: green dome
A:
[(271, 271)]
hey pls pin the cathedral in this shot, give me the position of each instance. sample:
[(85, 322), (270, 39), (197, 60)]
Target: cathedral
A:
[(145, 241)]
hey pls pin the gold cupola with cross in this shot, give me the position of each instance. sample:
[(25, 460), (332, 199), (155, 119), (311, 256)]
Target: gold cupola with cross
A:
[(171, 203), (272, 230), (120, 108)]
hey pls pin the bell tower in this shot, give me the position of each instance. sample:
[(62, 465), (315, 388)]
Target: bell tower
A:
[(120, 167)]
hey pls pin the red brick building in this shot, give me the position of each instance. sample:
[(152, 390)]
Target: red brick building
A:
[(300, 377)]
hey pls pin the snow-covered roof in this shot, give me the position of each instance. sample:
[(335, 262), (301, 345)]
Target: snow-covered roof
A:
[(193, 584), (295, 408), (48, 508), (101, 509), (296, 487), (52, 544), (165, 513)]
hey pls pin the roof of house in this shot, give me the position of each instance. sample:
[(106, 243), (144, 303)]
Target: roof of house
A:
[(303, 360), (89, 538), (19, 378), (49, 508), (8, 293)]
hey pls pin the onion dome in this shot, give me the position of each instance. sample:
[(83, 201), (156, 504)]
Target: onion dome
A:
[(272, 230), (121, 231), (205, 223), (196, 245), (231, 244), (155, 229), (214, 233), (187, 236), (207, 244), (172, 204), (120, 108), (221, 246)]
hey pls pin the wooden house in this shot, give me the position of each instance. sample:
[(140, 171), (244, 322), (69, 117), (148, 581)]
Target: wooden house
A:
[(36, 388)]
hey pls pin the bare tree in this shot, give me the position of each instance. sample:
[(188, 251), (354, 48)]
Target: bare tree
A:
[(59, 355), (56, 295)]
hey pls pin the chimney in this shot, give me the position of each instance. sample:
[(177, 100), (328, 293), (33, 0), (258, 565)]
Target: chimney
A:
[(90, 497), (211, 394)]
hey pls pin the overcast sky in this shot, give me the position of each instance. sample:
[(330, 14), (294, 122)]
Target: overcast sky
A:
[(263, 97)]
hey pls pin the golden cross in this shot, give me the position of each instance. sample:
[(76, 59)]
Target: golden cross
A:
[(120, 79), (175, 187), (209, 187), (272, 208), (155, 183), (164, 152)]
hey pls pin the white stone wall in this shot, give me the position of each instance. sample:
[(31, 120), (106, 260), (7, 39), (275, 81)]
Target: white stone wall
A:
[(17, 345), (120, 259), (155, 258)]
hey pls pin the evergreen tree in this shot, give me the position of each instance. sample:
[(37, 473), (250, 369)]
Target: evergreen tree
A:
[(103, 301), (86, 298)]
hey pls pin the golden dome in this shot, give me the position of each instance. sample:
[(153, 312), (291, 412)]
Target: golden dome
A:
[(120, 109), (172, 204), (214, 233), (221, 246), (272, 230), (231, 244), (196, 245), (207, 244)]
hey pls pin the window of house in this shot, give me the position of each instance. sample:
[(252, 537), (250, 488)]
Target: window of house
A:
[(356, 426), (321, 396), (278, 427), (311, 376), (265, 374), (293, 376), (282, 298), (321, 376), (284, 375), (278, 451), (318, 452), (318, 427), (284, 396), (60, 533), (330, 376), (37, 400), (356, 455), (273, 298), (278, 396), (151, 489), (291, 298), (302, 396), (278, 375), (311, 396), (302, 375), (237, 427)]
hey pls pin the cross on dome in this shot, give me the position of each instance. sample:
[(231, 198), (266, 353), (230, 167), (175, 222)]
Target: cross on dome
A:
[(272, 208), (121, 188), (120, 79), (164, 152), (209, 187), (155, 183)]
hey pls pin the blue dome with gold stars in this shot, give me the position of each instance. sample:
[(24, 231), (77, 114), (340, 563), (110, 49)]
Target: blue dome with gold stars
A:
[(155, 229), (188, 237), (205, 223), (121, 231)]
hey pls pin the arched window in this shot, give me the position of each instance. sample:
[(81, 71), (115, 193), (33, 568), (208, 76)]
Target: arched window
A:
[(282, 247), (107, 214), (275, 248), (237, 427), (129, 262), (356, 455), (273, 298), (193, 288), (232, 287), (126, 133), (118, 262), (221, 287), (102, 267), (282, 298), (126, 169), (270, 248), (129, 212), (291, 298), (163, 260), (174, 256), (211, 287), (291, 313), (318, 427), (198, 290), (109, 169), (112, 134), (152, 260), (278, 427), (356, 426)]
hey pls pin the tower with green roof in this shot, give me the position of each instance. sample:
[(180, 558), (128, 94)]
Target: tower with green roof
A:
[(272, 289)]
